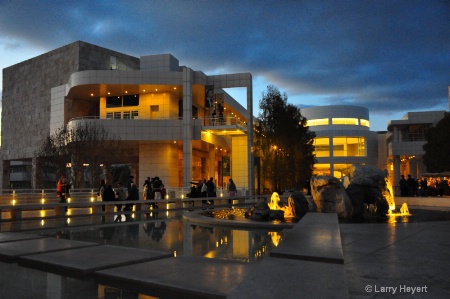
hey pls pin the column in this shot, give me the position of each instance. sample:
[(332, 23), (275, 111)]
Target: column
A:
[(187, 127)]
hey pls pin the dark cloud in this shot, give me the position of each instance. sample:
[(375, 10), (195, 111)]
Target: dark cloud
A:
[(391, 55)]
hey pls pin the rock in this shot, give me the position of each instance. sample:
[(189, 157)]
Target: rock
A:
[(368, 188), (330, 196), (301, 204)]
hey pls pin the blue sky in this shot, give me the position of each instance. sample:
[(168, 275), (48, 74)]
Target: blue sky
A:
[(391, 56)]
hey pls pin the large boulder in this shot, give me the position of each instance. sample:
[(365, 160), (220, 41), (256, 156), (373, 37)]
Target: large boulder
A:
[(368, 188), (330, 197), (301, 204)]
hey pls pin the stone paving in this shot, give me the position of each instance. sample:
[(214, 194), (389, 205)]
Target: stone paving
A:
[(380, 260)]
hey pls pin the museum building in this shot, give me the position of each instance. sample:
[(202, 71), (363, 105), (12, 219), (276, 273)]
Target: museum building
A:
[(177, 123)]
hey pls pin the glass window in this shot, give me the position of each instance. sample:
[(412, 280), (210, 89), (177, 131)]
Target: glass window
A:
[(131, 100), (364, 122), (321, 169), (317, 122), (113, 102), (126, 115), (109, 115), (135, 114), (345, 121), (348, 146), (117, 115), (341, 170), (322, 147)]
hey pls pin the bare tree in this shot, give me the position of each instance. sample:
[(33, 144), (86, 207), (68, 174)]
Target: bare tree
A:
[(81, 148)]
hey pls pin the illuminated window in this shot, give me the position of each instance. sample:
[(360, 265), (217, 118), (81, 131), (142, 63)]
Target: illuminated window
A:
[(317, 122), (345, 121), (321, 169), (322, 147), (364, 122), (341, 170), (348, 146)]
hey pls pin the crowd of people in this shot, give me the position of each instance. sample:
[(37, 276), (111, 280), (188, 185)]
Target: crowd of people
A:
[(152, 189), (410, 187), (205, 189)]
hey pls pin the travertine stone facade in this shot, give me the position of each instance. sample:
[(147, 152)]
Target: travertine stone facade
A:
[(27, 91)]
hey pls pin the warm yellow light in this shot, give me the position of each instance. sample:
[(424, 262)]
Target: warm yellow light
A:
[(92, 94), (92, 199), (68, 221), (217, 244), (14, 202), (126, 91), (182, 196), (68, 199), (109, 92), (42, 200), (42, 222)]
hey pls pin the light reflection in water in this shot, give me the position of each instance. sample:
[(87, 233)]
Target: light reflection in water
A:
[(183, 239)]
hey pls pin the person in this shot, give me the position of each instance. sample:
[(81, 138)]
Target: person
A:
[(121, 195), (146, 188), (108, 194), (220, 109), (101, 190), (231, 188), (211, 189), (133, 194), (410, 185), (403, 187), (204, 191), (130, 183), (61, 189), (424, 187), (158, 187)]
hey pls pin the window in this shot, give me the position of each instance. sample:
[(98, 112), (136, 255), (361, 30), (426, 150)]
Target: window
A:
[(321, 169), (317, 122), (131, 100), (109, 115), (117, 115), (322, 147), (345, 121), (135, 114), (126, 115), (364, 122), (345, 146), (122, 101), (113, 102), (154, 108)]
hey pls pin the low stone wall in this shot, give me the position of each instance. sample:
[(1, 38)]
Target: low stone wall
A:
[(423, 201)]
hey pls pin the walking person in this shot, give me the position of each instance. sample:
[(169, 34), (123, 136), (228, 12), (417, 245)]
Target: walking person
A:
[(61, 189), (231, 188), (158, 186), (211, 187)]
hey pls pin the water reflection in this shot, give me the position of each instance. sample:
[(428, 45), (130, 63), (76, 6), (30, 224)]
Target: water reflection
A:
[(172, 235)]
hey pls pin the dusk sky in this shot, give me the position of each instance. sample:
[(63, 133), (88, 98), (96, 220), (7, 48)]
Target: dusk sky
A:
[(389, 56)]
